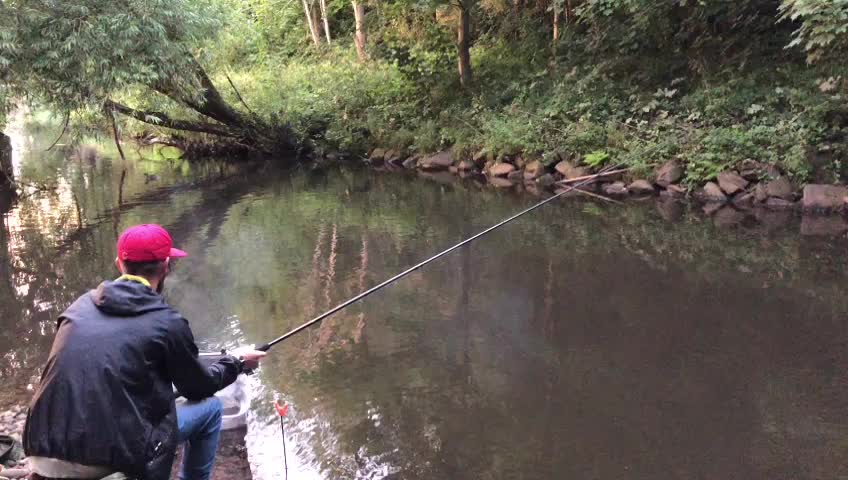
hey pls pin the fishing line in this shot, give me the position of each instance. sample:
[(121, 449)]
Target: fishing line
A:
[(413, 268)]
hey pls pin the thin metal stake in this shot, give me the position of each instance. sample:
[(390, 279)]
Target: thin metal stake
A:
[(281, 411), (285, 459)]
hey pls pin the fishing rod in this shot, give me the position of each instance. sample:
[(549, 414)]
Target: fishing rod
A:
[(319, 318)]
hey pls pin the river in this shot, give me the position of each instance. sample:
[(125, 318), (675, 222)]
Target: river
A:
[(584, 341)]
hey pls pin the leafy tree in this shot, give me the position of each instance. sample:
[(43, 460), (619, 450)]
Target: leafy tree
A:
[(823, 26), (84, 54)]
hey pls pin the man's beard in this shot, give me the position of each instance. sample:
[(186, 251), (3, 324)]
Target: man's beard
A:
[(161, 286)]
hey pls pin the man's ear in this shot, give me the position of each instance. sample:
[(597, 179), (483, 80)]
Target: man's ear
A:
[(119, 265)]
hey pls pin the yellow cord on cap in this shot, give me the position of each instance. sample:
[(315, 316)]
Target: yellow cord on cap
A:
[(133, 278)]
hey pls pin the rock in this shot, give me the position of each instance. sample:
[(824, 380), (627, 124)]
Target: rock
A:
[(501, 182), (824, 197), (671, 172), (771, 171), (453, 169), (674, 191), (465, 165), (501, 169), (615, 189), (760, 193), (519, 162), (751, 164), (731, 183), (641, 187), (534, 170), (546, 180), (744, 200), (568, 170), (439, 161), (480, 158), (750, 175), (753, 170), (728, 217), (670, 210), (779, 204), (828, 225), (515, 175), (712, 192), (392, 157), (411, 162), (712, 207), (377, 156), (779, 188)]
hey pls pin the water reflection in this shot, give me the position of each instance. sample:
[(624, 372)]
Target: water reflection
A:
[(583, 341)]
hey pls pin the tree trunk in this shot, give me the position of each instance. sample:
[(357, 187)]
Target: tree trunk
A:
[(556, 8), (312, 23), (6, 170), (323, 5), (162, 120), (252, 130), (210, 104), (462, 44), (359, 38)]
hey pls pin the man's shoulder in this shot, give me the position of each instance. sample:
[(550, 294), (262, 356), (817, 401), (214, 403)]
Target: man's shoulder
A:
[(171, 317)]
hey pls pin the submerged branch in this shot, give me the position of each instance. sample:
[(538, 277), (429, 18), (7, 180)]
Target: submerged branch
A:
[(116, 136)]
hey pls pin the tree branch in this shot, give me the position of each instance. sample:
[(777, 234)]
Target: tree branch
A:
[(163, 120), (239, 95), (115, 134), (62, 134)]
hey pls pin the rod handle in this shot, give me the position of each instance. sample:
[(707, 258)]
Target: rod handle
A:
[(264, 347)]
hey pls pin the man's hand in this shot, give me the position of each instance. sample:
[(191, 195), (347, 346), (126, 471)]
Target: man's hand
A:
[(248, 356)]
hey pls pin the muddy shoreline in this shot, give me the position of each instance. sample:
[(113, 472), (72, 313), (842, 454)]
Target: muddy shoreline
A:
[(756, 193)]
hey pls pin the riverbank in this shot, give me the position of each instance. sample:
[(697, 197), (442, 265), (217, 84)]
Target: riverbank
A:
[(230, 463), (14, 464), (754, 192)]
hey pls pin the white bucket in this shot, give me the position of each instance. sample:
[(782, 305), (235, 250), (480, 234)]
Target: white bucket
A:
[(236, 403)]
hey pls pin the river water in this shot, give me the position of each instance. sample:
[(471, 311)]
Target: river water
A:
[(583, 341)]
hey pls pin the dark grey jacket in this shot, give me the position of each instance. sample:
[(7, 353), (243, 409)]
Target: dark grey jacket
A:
[(105, 396)]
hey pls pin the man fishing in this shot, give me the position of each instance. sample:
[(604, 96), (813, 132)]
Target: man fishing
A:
[(105, 402)]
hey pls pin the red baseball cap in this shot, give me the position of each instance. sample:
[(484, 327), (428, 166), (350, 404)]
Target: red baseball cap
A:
[(147, 243)]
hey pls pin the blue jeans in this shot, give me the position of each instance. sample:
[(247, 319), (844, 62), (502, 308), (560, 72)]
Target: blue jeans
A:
[(199, 424)]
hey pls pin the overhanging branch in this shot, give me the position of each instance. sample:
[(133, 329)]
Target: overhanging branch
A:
[(163, 120)]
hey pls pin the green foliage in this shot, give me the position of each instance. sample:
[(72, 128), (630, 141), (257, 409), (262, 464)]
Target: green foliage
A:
[(74, 54), (335, 101), (710, 82), (596, 158), (822, 25)]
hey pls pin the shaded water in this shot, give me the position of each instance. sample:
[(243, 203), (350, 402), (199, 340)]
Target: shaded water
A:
[(580, 342)]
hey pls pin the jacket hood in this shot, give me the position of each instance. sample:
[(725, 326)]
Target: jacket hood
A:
[(126, 298)]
